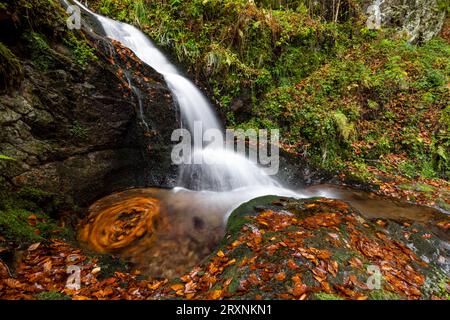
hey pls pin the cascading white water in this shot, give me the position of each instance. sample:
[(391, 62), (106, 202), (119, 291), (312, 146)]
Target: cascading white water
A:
[(230, 170)]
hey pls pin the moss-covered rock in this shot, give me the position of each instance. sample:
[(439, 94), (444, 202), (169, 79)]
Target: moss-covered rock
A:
[(280, 248)]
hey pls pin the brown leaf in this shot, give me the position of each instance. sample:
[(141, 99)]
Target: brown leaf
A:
[(48, 265), (253, 279), (292, 265), (4, 271), (12, 283), (155, 285), (299, 289), (280, 276), (326, 287), (190, 287), (229, 263), (297, 278)]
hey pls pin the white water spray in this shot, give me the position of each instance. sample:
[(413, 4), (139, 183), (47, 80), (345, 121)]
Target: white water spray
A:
[(231, 170)]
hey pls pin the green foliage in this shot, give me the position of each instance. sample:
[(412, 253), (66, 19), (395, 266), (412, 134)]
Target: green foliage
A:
[(346, 129), (3, 157), (140, 12), (39, 50), (82, 52), (417, 187)]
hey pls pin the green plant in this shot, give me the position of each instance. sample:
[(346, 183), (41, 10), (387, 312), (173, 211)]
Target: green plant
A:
[(78, 131), (408, 169), (82, 52), (140, 13), (383, 295), (3, 157), (52, 295), (346, 129)]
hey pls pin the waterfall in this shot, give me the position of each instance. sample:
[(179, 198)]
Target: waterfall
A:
[(230, 171)]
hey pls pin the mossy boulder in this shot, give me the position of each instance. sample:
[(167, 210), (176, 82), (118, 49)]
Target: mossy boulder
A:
[(282, 248)]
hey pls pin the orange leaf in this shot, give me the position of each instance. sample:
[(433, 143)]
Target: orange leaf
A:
[(214, 295), (280, 276), (299, 289), (291, 264), (177, 287)]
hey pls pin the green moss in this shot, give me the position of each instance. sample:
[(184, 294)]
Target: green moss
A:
[(326, 296), (3, 157), (22, 219), (383, 295), (52, 295), (417, 187), (39, 50), (443, 204), (10, 68), (240, 215), (81, 50), (78, 131), (346, 129)]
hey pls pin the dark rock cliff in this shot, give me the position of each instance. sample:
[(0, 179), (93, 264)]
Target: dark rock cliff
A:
[(68, 115)]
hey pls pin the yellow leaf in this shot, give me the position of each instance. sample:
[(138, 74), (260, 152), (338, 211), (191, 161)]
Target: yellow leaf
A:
[(214, 295)]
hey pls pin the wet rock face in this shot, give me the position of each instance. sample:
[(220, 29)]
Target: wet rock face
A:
[(419, 19), (79, 131)]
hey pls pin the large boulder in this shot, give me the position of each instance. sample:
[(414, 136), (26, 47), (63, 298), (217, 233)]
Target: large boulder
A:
[(420, 20), (283, 248)]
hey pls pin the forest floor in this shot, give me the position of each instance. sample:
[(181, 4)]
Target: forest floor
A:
[(275, 248)]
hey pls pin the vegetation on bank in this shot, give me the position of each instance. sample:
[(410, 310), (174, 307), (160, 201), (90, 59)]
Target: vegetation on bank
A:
[(346, 97)]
